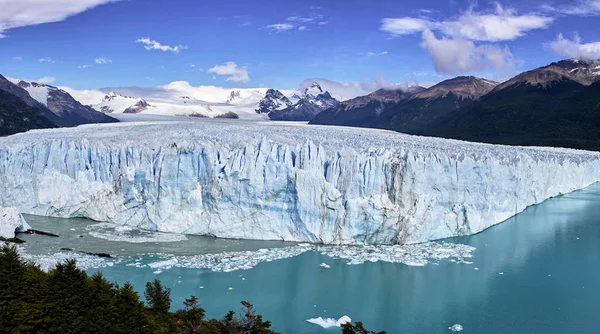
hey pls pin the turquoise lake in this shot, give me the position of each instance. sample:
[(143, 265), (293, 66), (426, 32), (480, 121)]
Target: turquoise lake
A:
[(538, 272)]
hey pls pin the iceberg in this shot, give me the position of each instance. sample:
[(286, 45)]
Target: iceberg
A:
[(330, 322), (274, 181)]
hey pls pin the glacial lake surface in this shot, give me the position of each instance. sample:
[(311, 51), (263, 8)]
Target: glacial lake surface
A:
[(538, 272)]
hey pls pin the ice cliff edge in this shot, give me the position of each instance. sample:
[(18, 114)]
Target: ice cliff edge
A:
[(282, 182)]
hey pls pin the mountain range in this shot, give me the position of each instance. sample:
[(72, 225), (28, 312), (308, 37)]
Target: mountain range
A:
[(25, 106), (181, 99), (554, 105)]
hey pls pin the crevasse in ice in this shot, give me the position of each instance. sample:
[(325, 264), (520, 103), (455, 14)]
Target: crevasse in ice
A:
[(260, 180)]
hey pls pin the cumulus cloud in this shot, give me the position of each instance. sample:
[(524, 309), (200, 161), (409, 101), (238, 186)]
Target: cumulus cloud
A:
[(231, 69), (102, 61), (45, 80), (84, 66), (465, 45), (574, 48), (376, 54), (46, 60), (150, 44), (455, 56), (501, 25), (279, 27), (16, 14)]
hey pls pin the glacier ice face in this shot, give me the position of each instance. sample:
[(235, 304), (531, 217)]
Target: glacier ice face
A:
[(11, 221), (260, 180)]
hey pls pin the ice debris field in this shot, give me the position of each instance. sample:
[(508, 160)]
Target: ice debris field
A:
[(276, 181)]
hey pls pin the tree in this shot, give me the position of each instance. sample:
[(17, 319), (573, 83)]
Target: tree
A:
[(191, 318), (158, 297), (349, 328)]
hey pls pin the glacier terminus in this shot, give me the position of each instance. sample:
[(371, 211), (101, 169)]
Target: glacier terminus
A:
[(274, 181)]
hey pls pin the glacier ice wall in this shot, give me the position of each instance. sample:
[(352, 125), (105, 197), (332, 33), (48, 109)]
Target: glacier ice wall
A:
[(259, 180), (11, 222)]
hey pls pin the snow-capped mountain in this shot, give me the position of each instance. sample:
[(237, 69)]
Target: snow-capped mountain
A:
[(273, 100), (62, 104), (175, 99), (307, 105), (20, 112), (181, 99)]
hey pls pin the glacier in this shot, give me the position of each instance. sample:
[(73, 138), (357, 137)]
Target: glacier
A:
[(278, 181), (11, 222)]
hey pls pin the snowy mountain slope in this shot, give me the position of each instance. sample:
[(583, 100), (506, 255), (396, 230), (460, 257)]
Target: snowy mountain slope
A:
[(311, 101), (70, 111), (269, 180), (180, 98)]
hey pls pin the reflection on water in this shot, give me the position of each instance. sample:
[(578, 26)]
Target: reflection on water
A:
[(535, 273)]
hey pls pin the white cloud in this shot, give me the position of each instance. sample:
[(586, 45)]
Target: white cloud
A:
[(45, 80), (350, 89), (46, 60), (85, 66), (234, 73), (405, 25), (102, 61), (575, 49), (580, 8), (15, 14), (279, 27), (455, 56), (150, 44), (501, 25), (300, 19), (18, 58), (376, 54), (298, 22)]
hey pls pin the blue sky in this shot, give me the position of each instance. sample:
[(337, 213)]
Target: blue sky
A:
[(239, 43)]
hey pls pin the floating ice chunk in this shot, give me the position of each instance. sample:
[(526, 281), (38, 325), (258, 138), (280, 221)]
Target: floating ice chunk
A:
[(475, 268), (166, 264), (412, 255), (230, 289), (500, 273), (330, 322), (48, 262), (114, 232), (456, 328)]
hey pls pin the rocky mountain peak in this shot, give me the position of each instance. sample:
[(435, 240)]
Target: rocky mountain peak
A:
[(464, 87), (313, 90), (233, 95)]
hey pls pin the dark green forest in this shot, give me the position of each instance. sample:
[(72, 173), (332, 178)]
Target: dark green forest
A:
[(67, 300)]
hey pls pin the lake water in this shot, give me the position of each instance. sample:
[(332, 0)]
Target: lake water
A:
[(538, 272)]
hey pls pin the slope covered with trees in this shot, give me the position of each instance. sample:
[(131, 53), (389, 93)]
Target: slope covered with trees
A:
[(67, 300)]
